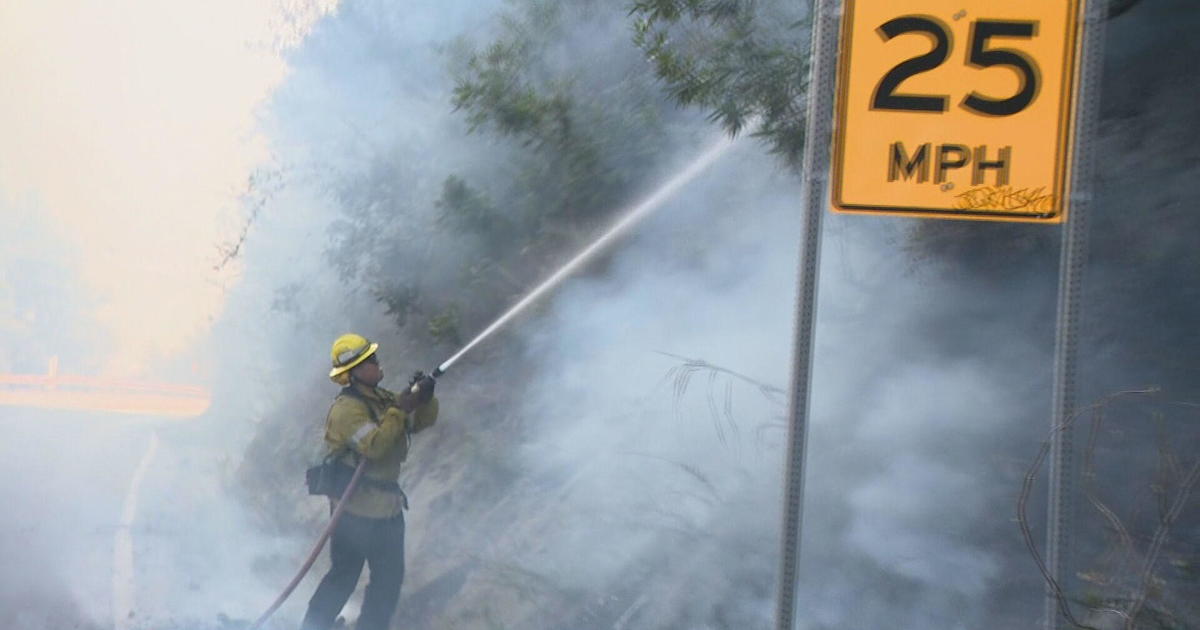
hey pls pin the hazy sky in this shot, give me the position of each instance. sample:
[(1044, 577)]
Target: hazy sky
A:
[(130, 125)]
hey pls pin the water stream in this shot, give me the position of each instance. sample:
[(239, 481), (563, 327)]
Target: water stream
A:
[(628, 219)]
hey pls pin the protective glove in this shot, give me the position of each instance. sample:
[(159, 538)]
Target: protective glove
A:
[(425, 384), (404, 400)]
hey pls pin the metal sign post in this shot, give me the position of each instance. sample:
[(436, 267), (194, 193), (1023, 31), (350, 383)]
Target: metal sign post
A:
[(1070, 286), (815, 177), (957, 109)]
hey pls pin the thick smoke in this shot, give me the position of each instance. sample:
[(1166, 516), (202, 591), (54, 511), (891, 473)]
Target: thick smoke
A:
[(623, 483), (115, 171), (904, 495), (51, 540)]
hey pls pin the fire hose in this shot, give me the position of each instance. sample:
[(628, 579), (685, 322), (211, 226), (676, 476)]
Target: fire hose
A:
[(316, 550), (320, 544)]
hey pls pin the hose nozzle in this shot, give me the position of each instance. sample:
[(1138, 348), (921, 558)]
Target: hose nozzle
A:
[(420, 375)]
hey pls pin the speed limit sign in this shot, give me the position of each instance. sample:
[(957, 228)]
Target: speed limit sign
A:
[(955, 108)]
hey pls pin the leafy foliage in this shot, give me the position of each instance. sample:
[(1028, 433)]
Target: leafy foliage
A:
[(571, 139), (463, 208), (444, 326), (583, 146), (741, 60)]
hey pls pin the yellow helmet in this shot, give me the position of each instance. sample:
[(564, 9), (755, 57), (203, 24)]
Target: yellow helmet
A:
[(348, 351)]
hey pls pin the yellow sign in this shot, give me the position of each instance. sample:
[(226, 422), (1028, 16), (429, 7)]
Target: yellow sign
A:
[(958, 109)]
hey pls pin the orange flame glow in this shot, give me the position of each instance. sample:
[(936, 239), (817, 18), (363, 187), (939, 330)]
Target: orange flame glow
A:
[(73, 392)]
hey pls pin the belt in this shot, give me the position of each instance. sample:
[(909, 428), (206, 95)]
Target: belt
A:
[(387, 486)]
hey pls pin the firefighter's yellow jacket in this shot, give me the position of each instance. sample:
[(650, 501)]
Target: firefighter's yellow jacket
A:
[(363, 423)]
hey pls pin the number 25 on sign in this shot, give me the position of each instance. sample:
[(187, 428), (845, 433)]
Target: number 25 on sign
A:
[(957, 109)]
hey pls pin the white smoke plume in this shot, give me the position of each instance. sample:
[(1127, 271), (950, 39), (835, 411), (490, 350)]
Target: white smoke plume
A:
[(639, 490)]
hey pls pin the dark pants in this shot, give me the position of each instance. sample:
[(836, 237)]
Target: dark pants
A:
[(380, 543)]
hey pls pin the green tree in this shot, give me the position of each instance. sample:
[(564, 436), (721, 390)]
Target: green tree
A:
[(573, 140), (740, 60)]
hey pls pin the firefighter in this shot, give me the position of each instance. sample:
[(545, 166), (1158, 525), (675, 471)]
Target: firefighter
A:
[(367, 421)]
